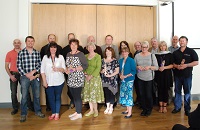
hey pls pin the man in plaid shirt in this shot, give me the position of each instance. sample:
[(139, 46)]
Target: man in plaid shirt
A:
[(28, 65)]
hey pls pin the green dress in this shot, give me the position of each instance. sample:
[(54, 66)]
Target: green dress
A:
[(93, 90)]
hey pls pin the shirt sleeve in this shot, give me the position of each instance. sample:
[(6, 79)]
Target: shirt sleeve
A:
[(83, 61), (133, 67), (42, 70), (98, 66), (7, 58), (195, 56), (19, 64)]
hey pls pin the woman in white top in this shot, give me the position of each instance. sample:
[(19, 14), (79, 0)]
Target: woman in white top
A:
[(52, 68)]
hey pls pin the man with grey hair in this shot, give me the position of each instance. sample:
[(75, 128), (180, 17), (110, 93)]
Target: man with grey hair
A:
[(154, 46), (174, 45)]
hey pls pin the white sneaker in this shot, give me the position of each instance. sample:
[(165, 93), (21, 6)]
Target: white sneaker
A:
[(78, 116), (71, 115)]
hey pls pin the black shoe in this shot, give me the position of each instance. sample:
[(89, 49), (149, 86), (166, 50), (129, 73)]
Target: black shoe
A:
[(14, 111), (127, 117), (31, 109), (48, 109), (143, 113), (23, 118), (148, 112), (187, 113), (40, 114), (124, 112), (176, 111)]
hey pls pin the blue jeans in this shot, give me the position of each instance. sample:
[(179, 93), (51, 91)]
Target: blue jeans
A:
[(35, 85), (186, 83), (54, 97)]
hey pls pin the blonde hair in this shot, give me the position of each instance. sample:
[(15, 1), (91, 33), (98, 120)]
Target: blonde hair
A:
[(145, 43), (163, 43), (91, 44)]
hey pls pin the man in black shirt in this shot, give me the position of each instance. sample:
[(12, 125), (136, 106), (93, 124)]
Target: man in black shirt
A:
[(184, 60), (51, 38)]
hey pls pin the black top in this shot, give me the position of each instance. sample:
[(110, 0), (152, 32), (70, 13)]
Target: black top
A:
[(97, 50), (67, 49), (44, 50), (136, 52), (189, 55)]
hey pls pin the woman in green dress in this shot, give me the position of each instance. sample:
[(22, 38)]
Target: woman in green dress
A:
[(93, 91)]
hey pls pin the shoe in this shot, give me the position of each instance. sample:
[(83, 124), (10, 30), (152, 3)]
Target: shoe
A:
[(110, 111), (40, 114), (161, 109), (127, 117), (143, 113), (56, 117), (78, 116), (14, 112), (51, 117), (71, 115), (187, 113), (164, 109), (48, 109), (176, 111), (89, 114), (106, 111), (96, 114), (124, 112), (148, 112), (22, 118)]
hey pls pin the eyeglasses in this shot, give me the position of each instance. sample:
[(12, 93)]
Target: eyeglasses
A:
[(144, 47)]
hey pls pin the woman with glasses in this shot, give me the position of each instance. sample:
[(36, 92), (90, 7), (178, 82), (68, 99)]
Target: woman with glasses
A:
[(146, 65)]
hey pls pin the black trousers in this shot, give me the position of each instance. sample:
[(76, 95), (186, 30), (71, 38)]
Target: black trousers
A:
[(69, 92), (109, 96), (76, 94)]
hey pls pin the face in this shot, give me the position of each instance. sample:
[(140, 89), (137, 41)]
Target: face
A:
[(163, 47), (17, 44), (30, 42), (125, 54), (183, 42), (53, 50), (51, 38), (154, 43), (73, 46), (91, 39), (71, 36), (108, 53), (123, 45), (108, 40), (174, 40), (145, 48), (90, 48), (138, 46)]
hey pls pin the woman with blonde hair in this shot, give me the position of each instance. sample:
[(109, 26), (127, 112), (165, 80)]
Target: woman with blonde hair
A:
[(163, 76)]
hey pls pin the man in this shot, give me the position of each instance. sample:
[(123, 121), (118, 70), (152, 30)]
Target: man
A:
[(11, 69), (174, 45), (51, 38), (184, 60), (108, 43), (172, 48), (138, 49), (154, 46), (28, 65), (66, 50), (98, 48)]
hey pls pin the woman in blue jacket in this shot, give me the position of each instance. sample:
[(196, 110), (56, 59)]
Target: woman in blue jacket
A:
[(127, 76)]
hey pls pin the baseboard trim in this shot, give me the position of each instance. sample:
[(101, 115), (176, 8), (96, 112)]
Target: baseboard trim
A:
[(194, 97)]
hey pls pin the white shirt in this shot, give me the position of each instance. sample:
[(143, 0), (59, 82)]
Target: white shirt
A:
[(53, 78)]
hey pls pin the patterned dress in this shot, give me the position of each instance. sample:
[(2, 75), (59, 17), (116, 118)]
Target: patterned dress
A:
[(126, 93), (93, 91)]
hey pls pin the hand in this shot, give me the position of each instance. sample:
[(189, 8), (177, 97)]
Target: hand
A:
[(147, 68), (140, 68), (122, 77), (30, 74), (108, 75), (55, 69), (12, 77), (162, 68), (79, 68), (32, 78), (89, 77), (103, 70), (67, 71), (183, 66), (45, 84)]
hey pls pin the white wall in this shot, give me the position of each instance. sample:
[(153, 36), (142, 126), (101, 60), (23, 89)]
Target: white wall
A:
[(16, 23)]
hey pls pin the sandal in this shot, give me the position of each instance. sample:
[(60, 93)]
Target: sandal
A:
[(106, 111), (51, 117), (164, 109), (161, 109), (56, 117), (110, 111)]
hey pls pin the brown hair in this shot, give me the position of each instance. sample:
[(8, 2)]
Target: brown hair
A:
[(110, 49), (126, 49)]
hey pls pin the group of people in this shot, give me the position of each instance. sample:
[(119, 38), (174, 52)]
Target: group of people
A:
[(97, 74)]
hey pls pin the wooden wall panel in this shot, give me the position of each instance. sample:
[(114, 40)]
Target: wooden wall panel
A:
[(139, 24), (81, 20), (110, 21)]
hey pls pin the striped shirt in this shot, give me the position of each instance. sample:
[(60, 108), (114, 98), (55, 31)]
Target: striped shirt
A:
[(27, 62)]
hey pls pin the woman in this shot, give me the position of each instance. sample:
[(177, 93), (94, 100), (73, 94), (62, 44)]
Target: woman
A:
[(146, 65), (52, 68), (163, 76), (109, 72), (93, 91), (122, 45), (76, 62), (127, 76)]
